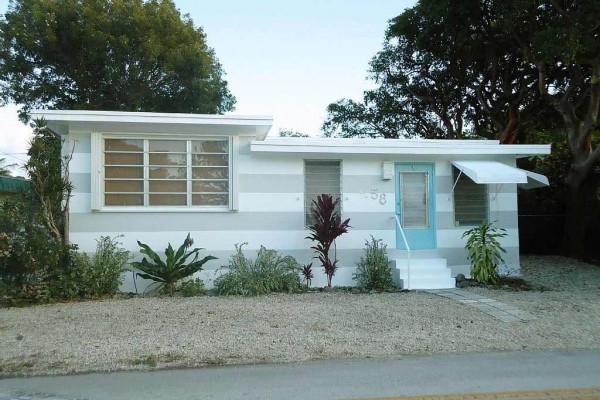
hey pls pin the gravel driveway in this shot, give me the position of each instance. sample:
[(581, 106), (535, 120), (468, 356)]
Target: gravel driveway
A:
[(144, 333)]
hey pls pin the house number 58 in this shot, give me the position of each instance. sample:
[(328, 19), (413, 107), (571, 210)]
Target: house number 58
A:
[(380, 196)]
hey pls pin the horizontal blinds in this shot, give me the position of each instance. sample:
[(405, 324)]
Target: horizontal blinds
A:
[(320, 177), (415, 207), (470, 201)]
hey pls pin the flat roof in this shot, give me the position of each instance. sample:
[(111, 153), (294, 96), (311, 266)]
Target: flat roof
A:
[(64, 121), (396, 146)]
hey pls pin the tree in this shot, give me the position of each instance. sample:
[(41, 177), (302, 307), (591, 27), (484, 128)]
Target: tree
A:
[(48, 170), (127, 55), (562, 39), (5, 168), (291, 133)]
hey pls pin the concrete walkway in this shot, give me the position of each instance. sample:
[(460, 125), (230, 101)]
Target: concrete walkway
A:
[(503, 312)]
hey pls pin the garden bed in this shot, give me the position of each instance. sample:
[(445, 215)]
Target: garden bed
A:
[(146, 333)]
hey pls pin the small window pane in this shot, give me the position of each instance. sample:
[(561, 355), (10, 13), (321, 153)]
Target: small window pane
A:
[(168, 186), (123, 186), (210, 199), (210, 146), (124, 199), (167, 159), (167, 146), (167, 199), (168, 173), (124, 172), (470, 201), (130, 145), (210, 173), (211, 160), (123, 159), (210, 186)]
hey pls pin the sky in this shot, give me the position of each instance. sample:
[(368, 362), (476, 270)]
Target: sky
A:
[(284, 59)]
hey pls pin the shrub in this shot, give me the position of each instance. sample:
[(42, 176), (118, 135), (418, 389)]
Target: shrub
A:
[(307, 274), (191, 288), (373, 271), (327, 227), (100, 274), (269, 272), (167, 273), (483, 250)]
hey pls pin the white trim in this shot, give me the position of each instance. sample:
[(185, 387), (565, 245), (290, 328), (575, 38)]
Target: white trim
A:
[(485, 172), (97, 150), (97, 172), (534, 180), (394, 146), (234, 176)]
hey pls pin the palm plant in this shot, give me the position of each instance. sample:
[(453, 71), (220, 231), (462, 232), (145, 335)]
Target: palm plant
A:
[(327, 227), (167, 273)]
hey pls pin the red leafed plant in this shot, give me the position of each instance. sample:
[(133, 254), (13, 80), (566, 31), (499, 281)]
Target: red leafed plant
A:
[(307, 273), (327, 226)]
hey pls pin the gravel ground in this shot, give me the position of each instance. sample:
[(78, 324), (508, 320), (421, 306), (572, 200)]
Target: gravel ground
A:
[(142, 333)]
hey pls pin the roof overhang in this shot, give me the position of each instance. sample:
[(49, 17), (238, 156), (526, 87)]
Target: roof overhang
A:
[(63, 122), (494, 172), (395, 147)]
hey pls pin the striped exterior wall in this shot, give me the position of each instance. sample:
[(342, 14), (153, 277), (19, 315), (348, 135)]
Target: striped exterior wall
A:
[(271, 200)]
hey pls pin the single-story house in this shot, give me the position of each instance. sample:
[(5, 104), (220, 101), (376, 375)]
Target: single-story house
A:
[(154, 177)]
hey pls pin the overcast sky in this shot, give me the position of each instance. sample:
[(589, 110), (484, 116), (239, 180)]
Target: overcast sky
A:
[(288, 60)]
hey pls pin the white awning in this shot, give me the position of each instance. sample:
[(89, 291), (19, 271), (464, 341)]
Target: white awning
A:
[(485, 172), (534, 180), (491, 172)]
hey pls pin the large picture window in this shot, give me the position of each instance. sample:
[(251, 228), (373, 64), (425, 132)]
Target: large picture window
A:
[(470, 201), (179, 173), (320, 177)]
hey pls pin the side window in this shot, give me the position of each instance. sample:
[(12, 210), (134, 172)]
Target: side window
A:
[(470, 201), (320, 177)]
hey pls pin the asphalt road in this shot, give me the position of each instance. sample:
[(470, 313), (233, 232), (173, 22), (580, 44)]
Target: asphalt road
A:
[(345, 379)]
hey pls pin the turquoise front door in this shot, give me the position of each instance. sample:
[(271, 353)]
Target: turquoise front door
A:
[(415, 205)]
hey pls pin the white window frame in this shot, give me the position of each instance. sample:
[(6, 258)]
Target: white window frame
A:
[(341, 204), (97, 149)]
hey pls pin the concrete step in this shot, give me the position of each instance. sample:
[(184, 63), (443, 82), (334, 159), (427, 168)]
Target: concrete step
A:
[(431, 273)]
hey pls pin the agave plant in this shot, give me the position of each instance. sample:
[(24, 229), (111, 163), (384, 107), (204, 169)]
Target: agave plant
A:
[(167, 273), (327, 227)]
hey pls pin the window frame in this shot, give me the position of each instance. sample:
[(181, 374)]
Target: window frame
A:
[(341, 180), (455, 179), (98, 173)]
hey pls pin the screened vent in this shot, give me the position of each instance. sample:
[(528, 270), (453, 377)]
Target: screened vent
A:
[(470, 201), (320, 177)]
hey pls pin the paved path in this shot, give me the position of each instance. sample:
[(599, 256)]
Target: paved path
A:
[(455, 376), (503, 312)]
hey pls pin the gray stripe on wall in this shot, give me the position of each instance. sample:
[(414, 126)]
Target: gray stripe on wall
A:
[(243, 221), (364, 183), (82, 182), (505, 219), (271, 183)]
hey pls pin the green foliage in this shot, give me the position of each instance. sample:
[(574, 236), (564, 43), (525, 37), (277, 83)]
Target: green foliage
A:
[(167, 273), (373, 271), (128, 55), (100, 274), (269, 272), (191, 288), (5, 168), (483, 250)]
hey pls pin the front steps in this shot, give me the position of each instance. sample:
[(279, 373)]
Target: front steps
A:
[(430, 273)]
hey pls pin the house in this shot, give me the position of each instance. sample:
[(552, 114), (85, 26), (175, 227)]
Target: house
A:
[(10, 185), (155, 177)]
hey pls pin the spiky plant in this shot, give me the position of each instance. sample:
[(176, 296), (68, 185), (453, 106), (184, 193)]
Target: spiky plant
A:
[(327, 227), (308, 274)]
